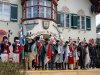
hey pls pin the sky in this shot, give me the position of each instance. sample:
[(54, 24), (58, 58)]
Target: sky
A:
[(98, 19)]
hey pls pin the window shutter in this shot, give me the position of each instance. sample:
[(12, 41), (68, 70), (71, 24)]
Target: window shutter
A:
[(59, 19), (14, 13), (88, 23), (74, 21)]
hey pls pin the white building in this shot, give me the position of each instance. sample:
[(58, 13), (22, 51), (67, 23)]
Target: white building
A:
[(71, 19)]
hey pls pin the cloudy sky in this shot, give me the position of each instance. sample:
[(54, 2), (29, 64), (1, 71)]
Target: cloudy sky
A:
[(98, 19)]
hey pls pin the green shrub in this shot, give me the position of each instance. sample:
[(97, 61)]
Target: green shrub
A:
[(11, 69)]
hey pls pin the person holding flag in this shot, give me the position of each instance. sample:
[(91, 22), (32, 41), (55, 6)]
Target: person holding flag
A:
[(47, 55), (51, 53), (38, 57), (22, 43)]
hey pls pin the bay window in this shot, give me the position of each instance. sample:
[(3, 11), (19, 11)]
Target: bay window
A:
[(40, 9)]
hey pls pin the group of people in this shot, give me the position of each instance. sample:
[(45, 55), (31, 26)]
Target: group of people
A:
[(6, 52), (57, 54), (50, 53)]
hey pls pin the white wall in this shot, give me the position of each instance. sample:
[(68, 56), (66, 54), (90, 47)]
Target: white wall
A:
[(13, 26), (74, 6)]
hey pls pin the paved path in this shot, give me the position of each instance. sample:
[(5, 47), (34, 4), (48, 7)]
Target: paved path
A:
[(64, 72)]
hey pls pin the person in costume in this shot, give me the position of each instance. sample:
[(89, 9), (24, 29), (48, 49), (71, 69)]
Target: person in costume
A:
[(70, 56), (83, 54), (5, 49), (92, 53), (65, 55), (42, 53), (80, 55), (34, 52), (76, 58), (56, 55), (28, 53), (38, 57), (17, 47), (87, 57), (60, 53), (46, 49), (50, 53)]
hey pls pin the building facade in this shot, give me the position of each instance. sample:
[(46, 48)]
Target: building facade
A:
[(69, 19)]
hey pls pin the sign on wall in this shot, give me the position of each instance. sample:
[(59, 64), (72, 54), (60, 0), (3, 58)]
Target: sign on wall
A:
[(45, 24)]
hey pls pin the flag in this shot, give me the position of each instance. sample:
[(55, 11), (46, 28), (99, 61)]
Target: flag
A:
[(48, 55), (22, 41)]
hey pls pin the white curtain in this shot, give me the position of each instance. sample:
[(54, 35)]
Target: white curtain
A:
[(6, 12)]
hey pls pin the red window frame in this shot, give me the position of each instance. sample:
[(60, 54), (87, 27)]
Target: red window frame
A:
[(52, 2)]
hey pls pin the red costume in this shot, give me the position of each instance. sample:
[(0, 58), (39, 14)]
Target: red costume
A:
[(5, 51), (70, 56), (38, 44), (17, 50)]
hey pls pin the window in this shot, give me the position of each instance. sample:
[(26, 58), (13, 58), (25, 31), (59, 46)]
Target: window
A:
[(35, 2), (29, 12), (81, 22), (67, 20), (40, 8), (78, 22), (63, 19), (5, 12), (35, 11)]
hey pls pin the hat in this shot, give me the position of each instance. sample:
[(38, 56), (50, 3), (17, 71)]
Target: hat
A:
[(16, 38), (5, 37)]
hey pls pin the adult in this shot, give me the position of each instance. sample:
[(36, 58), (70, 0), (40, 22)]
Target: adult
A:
[(5, 49), (28, 53), (70, 56), (17, 47)]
